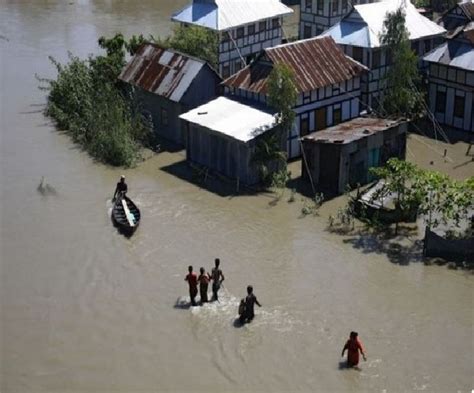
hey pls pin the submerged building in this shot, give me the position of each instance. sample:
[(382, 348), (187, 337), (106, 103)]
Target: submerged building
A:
[(359, 35), (167, 83), (244, 27), (451, 70), (342, 155), (319, 15), (327, 82)]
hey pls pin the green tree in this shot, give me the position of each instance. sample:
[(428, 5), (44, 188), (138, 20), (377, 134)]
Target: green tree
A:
[(195, 41), (401, 97), (282, 94)]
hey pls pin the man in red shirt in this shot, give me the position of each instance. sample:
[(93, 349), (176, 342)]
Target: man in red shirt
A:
[(191, 278), (353, 346)]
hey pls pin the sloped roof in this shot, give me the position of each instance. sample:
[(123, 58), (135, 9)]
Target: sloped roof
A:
[(221, 15), (453, 53), (363, 26), (165, 72), (316, 62), (232, 118), (456, 18)]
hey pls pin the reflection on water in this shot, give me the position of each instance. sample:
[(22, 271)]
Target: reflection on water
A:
[(85, 309)]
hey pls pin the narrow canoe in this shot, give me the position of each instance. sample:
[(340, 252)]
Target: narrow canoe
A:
[(126, 215)]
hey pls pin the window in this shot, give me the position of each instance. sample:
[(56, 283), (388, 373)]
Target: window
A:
[(164, 117), (440, 101), (237, 65), (442, 71), (459, 107), (344, 6), (306, 97), (307, 31), (427, 45), (376, 59), (240, 32), (251, 29), (304, 126), (357, 54), (336, 116), (461, 77), (225, 71), (335, 6), (262, 26), (275, 23), (414, 46), (388, 57), (434, 69), (319, 30), (320, 6), (308, 4), (225, 36)]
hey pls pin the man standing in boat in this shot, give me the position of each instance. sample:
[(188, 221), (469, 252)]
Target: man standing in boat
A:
[(217, 278), (121, 188)]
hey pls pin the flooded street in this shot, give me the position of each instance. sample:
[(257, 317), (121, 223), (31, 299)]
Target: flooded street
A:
[(84, 309)]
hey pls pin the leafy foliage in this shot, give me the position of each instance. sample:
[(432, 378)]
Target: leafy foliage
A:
[(195, 41), (282, 94), (268, 157), (436, 196), (402, 98), (85, 100)]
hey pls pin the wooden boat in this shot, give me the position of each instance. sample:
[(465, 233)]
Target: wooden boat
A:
[(125, 215)]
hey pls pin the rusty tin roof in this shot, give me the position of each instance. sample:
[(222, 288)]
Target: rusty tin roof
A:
[(161, 71), (316, 62), (350, 131)]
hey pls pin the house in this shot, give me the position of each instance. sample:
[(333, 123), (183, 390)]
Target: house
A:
[(245, 27), (168, 83), (319, 15), (342, 155), (359, 32), (451, 71), (327, 82), (222, 136)]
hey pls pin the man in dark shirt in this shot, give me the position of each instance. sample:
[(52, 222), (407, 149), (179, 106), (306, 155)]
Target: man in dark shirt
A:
[(192, 280), (121, 188), (248, 313)]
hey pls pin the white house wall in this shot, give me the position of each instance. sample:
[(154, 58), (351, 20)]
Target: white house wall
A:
[(231, 51)]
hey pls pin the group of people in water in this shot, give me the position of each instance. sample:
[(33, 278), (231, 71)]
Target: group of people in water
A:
[(247, 305)]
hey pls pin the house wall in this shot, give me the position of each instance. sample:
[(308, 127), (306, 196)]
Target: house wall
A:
[(378, 61), (236, 51), (203, 88), (343, 97), (352, 160), (164, 114), (319, 15), (453, 82)]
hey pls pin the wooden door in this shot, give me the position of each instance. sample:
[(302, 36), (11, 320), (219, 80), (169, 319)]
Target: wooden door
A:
[(320, 116)]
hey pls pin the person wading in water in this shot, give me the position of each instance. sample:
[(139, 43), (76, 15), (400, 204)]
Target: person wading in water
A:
[(217, 278), (246, 309), (191, 278), (353, 346), (203, 280), (121, 188)]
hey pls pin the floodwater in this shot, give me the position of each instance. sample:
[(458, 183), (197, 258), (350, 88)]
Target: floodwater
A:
[(84, 309)]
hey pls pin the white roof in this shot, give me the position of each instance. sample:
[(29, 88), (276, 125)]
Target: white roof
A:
[(222, 15), (363, 26), (453, 53), (231, 118)]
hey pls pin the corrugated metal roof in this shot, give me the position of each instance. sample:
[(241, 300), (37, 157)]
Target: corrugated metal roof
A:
[(222, 15), (316, 62), (363, 26), (161, 71), (232, 118), (453, 53), (350, 131)]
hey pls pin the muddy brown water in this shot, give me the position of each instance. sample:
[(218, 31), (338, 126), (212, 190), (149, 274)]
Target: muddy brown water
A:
[(85, 310)]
